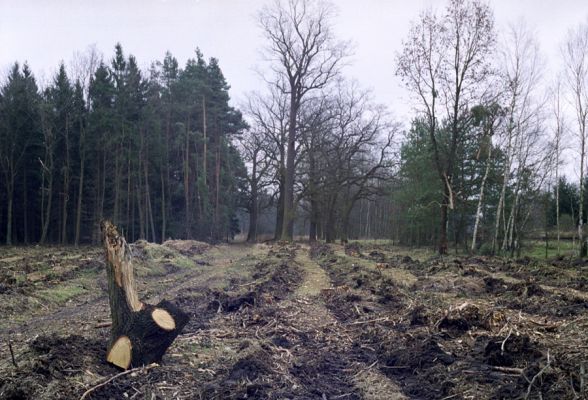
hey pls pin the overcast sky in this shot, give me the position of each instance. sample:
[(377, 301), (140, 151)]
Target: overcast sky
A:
[(45, 32)]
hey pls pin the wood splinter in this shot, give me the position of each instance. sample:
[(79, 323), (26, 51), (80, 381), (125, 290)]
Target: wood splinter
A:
[(140, 333)]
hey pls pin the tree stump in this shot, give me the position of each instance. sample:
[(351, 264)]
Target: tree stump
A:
[(141, 333)]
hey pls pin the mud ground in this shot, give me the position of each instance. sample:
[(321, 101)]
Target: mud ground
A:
[(293, 321)]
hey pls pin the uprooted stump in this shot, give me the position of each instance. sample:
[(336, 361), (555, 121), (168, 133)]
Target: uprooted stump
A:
[(140, 333)]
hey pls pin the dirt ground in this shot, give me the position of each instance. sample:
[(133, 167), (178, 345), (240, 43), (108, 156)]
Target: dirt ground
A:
[(291, 321)]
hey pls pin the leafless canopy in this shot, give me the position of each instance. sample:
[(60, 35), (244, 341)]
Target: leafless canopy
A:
[(301, 48)]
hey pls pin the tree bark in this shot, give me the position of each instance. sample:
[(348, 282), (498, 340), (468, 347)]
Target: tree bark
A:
[(288, 222), (9, 211), (345, 224), (25, 208), (314, 215), (80, 196), (186, 168), (330, 226), (443, 226), (163, 205), (140, 333), (252, 234), (217, 173), (66, 178), (205, 140), (481, 199), (280, 210), (47, 215)]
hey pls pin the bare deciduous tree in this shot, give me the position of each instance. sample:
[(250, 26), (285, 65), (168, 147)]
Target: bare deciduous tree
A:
[(575, 55), (524, 132), (347, 143), (558, 133), (83, 66), (304, 56), (445, 61), (488, 118), (256, 149), (268, 116)]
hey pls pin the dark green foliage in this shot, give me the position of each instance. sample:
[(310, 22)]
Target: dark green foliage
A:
[(152, 151), (20, 147), (569, 199), (418, 189)]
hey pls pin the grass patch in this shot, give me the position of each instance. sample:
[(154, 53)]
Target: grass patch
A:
[(61, 294), (183, 262), (536, 249)]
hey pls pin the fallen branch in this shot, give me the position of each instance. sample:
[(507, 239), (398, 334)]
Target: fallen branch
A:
[(509, 370), (366, 369), (537, 375), (370, 321), (106, 382), (504, 341), (12, 353), (103, 325), (250, 283)]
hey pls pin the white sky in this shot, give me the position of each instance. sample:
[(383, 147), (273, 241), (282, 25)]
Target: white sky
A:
[(44, 32)]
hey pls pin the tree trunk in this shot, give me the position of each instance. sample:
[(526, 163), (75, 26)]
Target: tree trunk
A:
[(508, 241), (140, 333), (186, 168), (288, 223), (149, 209), (502, 199), (9, 210), (165, 185), (444, 219), (129, 187), (557, 198), (102, 188), (140, 209), (66, 178), (25, 207), (345, 224), (481, 200), (116, 184), (205, 139), (314, 213), (314, 216), (163, 205), (581, 240), (217, 172), (80, 196), (150, 213), (280, 211), (47, 216), (252, 234), (330, 226)]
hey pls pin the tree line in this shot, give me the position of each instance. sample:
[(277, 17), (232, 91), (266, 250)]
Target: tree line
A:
[(477, 166), (490, 130), (152, 150)]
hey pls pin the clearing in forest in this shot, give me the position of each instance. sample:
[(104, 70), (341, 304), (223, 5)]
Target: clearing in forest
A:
[(294, 321)]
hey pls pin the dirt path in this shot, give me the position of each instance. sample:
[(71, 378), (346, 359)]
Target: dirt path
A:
[(371, 384), (315, 278)]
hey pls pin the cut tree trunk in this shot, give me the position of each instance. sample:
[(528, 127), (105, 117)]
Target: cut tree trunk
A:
[(141, 333)]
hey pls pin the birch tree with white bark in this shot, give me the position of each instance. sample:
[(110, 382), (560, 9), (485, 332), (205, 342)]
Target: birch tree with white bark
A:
[(575, 55)]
